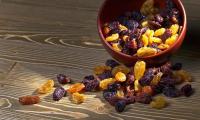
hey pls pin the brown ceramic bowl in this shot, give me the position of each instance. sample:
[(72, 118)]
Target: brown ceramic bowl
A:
[(113, 8)]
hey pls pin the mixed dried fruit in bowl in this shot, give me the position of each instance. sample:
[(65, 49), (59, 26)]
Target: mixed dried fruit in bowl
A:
[(145, 32)]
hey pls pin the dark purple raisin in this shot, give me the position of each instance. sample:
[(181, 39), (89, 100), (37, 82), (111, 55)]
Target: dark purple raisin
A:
[(108, 95), (114, 87), (120, 106), (63, 79), (166, 69), (166, 35), (130, 79), (147, 78), (159, 18), (112, 63), (59, 93), (130, 99), (187, 90), (171, 91), (105, 75), (154, 24), (177, 66), (114, 31), (132, 24), (143, 98), (91, 83)]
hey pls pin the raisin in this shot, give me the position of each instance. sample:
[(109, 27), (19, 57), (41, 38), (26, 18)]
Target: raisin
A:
[(143, 98), (29, 100), (187, 90), (77, 87), (91, 83), (59, 93), (78, 98), (63, 79), (120, 106), (139, 69), (46, 87)]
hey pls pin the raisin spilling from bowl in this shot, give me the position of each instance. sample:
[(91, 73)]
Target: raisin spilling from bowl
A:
[(145, 32)]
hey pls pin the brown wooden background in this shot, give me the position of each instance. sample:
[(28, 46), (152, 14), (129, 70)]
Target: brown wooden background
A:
[(41, 38)]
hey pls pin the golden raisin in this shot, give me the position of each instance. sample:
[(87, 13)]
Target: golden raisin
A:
[(125, 37), (120, 93), (145, 24), (146, 51), (163, 46), (156, 78), (78, 98), (183, 75), (170, 41), (112, 38), (159, 32), (174, 28), (121, 77), (101, 69), (159, 102), (46, 87), (77, 87), (156, 40), (137, 86), (117, 47), (139, 69), (120, 68), (145, 40), (122, 28), (104, 83)]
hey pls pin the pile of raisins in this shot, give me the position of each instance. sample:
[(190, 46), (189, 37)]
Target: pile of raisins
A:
[(146, 32)]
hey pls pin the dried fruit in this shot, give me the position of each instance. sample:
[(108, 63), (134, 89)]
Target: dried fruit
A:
[(91, 83), (177, 66), (183, 75), (143, 98), (120, 93), (156, 78), (170, 41), (105, 75), (101, 69), (171, 91), (122, 28), (117, 47), (159, 32), (46, 87), (174, 28), (104, 83), (29, 100), (63, 79), (112, 38), (147, 77), (146, 51), (139, 69), (159, 102), (187, 90), (108, 94), (77, 87), (145, 24), (78, 98), (111, 63), (156, 40), (163, 46), (121, 77), (120, 106), (59, 93), (145, 40), (137, 86), (120, 68), (147, 90)]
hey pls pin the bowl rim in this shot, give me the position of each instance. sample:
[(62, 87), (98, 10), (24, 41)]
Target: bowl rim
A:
[(179, 39)]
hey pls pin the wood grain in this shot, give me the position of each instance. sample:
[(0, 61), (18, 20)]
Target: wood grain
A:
[(42, 38)]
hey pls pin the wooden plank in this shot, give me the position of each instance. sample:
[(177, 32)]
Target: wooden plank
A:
[(42, 38)]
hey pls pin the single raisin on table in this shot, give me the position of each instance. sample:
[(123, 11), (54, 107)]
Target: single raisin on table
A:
[(29, 100)]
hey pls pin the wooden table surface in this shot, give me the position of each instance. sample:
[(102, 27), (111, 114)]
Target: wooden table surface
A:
[(42, 38)]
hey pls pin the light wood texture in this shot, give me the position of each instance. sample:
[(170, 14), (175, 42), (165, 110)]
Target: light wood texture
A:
[(42, 38)]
